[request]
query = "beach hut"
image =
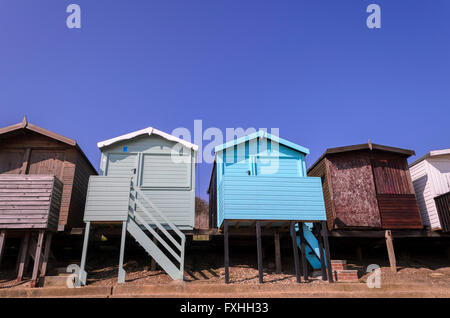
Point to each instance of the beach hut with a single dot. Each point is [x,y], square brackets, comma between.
[367,186]
[431,178]
[147,184]
[259,184]
[43,184]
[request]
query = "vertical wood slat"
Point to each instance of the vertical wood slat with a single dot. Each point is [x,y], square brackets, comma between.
[259,247]
[277,252]
[443,210]
[327,250]
[226,252]
[2,243]
[23,256]
[37,258]
[295,251]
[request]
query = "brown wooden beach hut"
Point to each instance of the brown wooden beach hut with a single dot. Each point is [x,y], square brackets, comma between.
[43,183]
[367,186]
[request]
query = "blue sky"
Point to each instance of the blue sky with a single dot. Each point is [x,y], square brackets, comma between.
[310,68]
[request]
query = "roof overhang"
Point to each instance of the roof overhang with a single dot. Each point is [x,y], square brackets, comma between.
[147,131]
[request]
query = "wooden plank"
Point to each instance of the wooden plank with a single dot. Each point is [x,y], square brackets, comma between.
[23,256]
[327,250]
[390,250]
[277,252]
[295,250]
[259,248]
[226,252]
[303,252]
[37,258]
[2,243]
[48,242]
[321,253]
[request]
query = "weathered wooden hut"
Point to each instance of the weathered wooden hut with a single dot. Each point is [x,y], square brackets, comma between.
[259,182]
[146,183]
[431,178]
[367,186]
[43,184]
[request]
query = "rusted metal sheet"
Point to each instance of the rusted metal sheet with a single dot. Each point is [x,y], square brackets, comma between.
[443,208]
[354,195]
[399,211]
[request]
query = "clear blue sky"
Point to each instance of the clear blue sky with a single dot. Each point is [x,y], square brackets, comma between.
[311,68]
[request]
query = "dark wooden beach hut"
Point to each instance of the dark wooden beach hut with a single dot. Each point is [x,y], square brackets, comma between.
[43,183]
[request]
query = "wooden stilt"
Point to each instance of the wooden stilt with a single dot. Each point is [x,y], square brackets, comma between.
[259,247]
[122,273]
[327,250]
[2,243]
[23,256]
[295,250]
[83,275]
[226,252]
[153,263]
[48,242]
[37,258]
[391,252]
[321,253]
[277,252]
[303,251]
[359,252]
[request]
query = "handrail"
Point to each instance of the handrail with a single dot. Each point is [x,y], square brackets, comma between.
[170,223]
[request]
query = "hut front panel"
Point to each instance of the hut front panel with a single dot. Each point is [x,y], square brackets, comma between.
[354,195]
[11,161]
[439,171]
[399,211]
[169,182]
[271,198]
[29,202]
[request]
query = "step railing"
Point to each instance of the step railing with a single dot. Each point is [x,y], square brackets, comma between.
[180,246]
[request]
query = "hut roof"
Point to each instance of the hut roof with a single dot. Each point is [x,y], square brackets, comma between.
[432,153]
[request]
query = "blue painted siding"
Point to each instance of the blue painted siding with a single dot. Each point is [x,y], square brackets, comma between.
[260,179]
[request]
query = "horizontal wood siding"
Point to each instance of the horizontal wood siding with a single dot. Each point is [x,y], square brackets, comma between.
[443,207]
[272,198]
[399,211]
[424,195]
[29,202]
[107,199]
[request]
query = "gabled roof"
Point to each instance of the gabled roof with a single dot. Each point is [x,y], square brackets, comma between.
[368,146]
[262,134]
[25,125]
[146,131]
[432,153]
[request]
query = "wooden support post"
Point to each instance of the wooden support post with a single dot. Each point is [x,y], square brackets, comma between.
[153,263]
[122,273]
[83,275]
[23,256]
[2,243]
[226,252]
[295,250]
[390,249]
[37,258]
[303,251]
[277,253]
[321,253]
[259,247]
[48,242]
[359,253]
[327,250]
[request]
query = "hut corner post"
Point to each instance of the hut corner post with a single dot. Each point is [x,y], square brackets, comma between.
[83,274]
[327,250]
[226,252]
[295,250]
[122,273]
[390,250]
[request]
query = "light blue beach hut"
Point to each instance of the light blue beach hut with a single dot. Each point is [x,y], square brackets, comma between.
[259,182]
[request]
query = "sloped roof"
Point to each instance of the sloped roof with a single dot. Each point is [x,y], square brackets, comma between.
[432,153]
[146,131]
[367,146]
[262,134]
[25,125]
